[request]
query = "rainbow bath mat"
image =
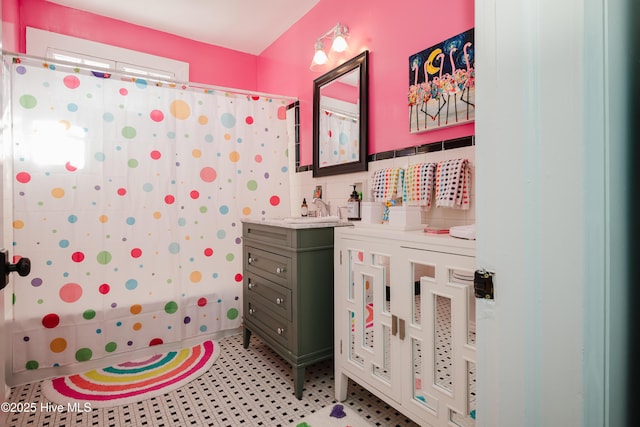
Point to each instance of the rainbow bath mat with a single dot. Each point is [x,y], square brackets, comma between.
[133,381]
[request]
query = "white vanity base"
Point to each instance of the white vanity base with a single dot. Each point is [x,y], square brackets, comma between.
[404,323]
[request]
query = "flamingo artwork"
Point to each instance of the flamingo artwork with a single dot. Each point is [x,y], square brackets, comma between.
[442,84]
[438,89]
[466,79]
[425,92]
[413,102]
[425,96]
[450,86]
[414,90]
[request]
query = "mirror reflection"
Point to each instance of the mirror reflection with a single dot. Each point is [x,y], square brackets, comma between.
[339,129]
[340,119]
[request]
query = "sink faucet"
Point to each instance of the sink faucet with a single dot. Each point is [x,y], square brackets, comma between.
[324,208]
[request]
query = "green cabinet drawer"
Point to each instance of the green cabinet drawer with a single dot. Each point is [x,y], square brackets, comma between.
[272,266]
[276,236]
[259,317]
[276,297]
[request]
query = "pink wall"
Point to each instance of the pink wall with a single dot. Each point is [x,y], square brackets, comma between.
[391,31]
[342,91]
[209,64]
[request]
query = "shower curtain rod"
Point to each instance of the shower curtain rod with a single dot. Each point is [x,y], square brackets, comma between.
[342,113]
[134,75]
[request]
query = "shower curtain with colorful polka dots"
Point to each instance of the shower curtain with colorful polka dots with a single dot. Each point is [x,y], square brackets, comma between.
[128,196]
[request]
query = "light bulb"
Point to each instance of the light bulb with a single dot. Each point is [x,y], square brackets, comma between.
[339,44]
[320,57]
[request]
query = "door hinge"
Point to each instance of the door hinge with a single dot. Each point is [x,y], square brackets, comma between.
[483,284]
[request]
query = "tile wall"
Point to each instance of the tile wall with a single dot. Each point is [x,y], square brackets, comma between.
[336,189]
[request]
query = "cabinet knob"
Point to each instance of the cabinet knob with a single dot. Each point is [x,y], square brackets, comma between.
[280,331]
[279,301]
[251,285]
[252,310]
[251,260]
[280,270]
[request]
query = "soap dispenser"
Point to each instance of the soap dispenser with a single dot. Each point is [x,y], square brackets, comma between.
[304,209]
[353,206]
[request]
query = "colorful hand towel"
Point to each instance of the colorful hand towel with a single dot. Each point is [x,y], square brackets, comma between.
[385,184]
[453,182]
[418,184]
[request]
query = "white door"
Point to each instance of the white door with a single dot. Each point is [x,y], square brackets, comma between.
[530,220]
[4,390]
[4,393]
[552,83]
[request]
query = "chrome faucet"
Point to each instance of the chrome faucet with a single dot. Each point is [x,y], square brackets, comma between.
[324,208]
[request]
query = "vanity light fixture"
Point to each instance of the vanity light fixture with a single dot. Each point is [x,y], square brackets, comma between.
[340,32]
[320,57]
[338,35]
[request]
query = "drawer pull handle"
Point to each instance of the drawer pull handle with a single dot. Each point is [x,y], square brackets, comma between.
[280,270]
[394,325]
[251,260]
[281,331]
[279,301]
[252,311]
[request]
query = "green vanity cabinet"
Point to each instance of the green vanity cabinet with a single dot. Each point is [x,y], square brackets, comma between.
[288,292]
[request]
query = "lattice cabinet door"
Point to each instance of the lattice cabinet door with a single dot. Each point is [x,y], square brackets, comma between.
[437,289]
[366,326]
[405,322]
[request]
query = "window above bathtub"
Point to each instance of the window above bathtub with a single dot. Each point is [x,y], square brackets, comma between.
[59,47]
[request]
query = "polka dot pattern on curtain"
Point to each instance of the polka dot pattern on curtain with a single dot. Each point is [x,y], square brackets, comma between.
[128,197]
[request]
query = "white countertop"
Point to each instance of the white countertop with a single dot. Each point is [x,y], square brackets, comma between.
[298,223]
[386,231]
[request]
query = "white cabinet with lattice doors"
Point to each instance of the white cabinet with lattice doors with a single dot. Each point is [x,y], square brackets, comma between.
[405,321]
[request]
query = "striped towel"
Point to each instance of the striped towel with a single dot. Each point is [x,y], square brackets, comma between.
[385,184]
[418,184]
[453,181]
